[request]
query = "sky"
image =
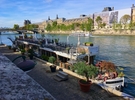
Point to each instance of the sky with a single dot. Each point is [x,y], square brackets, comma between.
[16,11]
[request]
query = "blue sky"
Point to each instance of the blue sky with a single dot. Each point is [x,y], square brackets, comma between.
[16,11]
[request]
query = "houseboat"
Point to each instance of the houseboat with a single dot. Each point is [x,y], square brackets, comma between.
[65,53]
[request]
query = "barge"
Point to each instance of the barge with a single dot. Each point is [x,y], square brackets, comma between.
[65,53]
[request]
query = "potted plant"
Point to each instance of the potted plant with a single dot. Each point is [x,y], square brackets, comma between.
[56,41]
[30,53]
[88,44]
[22,51]
[87,71]
[45,57]
[67,49]
[9,47]
[52,60]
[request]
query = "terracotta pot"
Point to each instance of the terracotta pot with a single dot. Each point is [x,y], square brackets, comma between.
[85,86]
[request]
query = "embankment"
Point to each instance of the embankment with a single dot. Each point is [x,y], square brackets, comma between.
[101,32]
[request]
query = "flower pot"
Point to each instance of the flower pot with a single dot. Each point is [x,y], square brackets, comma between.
[31,57]
[85,86]
[53,68]
[14,49]
[9,47]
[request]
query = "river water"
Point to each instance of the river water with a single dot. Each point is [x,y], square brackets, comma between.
[117,49]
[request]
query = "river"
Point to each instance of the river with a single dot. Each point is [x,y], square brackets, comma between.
[117,49]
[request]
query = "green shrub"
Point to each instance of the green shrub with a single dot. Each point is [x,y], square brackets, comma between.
[52,59]
[45,57]
[85,70]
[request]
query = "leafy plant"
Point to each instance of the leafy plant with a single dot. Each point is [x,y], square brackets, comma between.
[56,40]
[30,51]
[89,43]
[52,59]
[120,72]
[44,57]
[22,50]
[85,70]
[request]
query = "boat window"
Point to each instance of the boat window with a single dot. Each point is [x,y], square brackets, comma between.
[110,82]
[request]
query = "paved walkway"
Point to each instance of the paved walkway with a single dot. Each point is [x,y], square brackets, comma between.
[17,85]
[66,90]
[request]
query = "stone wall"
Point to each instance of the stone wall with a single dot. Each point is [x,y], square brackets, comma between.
[100,32]
[114,32]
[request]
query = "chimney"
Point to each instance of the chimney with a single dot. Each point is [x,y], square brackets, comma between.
[48,17]
[132,5]
[57,17]
[112,8]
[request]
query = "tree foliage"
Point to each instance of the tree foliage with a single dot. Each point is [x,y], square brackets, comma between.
[16,26]
[125,19]
[87,26]
[30,26]
[99,21]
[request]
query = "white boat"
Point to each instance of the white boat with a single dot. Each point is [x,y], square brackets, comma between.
[84,34]
[110,79]
[115,83]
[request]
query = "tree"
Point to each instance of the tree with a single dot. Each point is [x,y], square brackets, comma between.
[131,25]
[125,19]
[16,26]
[90,25]
[103,25]
[82,27]
[99,21]
[48,28]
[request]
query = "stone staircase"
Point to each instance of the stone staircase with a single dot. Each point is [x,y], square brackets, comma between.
[61,76]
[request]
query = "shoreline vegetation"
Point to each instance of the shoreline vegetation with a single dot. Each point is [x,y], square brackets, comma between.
[98,32]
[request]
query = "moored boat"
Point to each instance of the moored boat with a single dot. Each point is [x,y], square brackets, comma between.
[110,75]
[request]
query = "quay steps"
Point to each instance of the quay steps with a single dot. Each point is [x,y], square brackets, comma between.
[61,76]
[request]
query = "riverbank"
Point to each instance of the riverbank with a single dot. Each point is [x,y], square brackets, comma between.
[65,90]
[100,32]
[113,32]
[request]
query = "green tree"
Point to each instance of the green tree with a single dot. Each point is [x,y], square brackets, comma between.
[131,25]
[99,21]
[118,26]
[82,27]
[114,25]
[16,26]
[125,19]
[54,24]
[73,26]
[103,25]
[48,28]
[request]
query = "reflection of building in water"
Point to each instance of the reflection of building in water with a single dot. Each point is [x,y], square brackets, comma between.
[113,17]
[108,15]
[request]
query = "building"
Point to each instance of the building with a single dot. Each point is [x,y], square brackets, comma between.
[108,15]
[133,13]
[26,22]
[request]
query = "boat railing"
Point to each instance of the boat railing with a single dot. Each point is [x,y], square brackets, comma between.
[60,46]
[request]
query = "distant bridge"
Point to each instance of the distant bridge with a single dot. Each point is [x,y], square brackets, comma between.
[19,31]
